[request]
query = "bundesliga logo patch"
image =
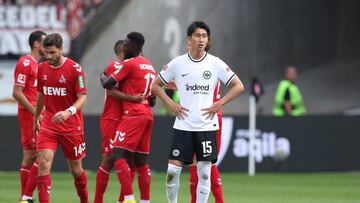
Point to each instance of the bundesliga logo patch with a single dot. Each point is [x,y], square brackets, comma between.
[81,82]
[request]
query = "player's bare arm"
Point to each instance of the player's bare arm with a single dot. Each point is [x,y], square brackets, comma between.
[107,82]
[38,109]
[64,115]
[21,99]
[179,110]
[236,87]
[122,96]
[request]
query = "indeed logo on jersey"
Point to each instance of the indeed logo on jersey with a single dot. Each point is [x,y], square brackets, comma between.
[54,91]
[198,89]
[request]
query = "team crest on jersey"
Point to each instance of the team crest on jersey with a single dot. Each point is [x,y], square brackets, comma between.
[26,62]
[62,79]
[44,77]
[207,74]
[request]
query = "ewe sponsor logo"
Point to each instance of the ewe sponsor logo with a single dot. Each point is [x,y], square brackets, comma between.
[54,91]
[267,144]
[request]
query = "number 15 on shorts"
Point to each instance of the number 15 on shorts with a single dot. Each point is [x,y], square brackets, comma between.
[207,148]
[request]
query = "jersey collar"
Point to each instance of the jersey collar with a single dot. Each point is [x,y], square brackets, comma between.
[199,60]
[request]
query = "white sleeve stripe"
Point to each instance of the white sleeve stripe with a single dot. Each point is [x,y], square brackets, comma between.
[228,82]
[163,80]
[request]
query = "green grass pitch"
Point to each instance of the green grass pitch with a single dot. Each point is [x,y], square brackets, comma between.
[238,188]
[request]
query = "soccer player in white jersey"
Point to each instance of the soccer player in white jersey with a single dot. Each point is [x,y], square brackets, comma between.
[196,75]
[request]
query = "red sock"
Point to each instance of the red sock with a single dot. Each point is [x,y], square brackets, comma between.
[193,183]
[32,180]
[81,187]
[44,187]
[102,179]
[216,187]
[124,176]
[24,175]
[144,180]
[132,173]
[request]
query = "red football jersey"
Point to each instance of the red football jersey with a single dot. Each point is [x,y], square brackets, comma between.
[26,75]
[60,87]
[136,77]
[112,107]
[217,96]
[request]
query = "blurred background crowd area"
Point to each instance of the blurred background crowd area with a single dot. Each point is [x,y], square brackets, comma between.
[256,38]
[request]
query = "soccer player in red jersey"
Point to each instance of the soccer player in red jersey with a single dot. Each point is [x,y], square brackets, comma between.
[216,185]
[24,92]
[134,130]
[62,91]
[109,120]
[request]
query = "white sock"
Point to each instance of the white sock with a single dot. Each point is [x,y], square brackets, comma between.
[144,201]
[172,182]
[129,197]
[204,184]
[25,197]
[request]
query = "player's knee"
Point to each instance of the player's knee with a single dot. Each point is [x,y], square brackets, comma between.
[76,171]
[28,158]
[44,164]
[173,172]
[108,162]
[204,170]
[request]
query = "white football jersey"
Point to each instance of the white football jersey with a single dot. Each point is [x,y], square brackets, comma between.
[196,81]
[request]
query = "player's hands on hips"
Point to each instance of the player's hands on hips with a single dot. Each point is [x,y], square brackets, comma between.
[171,85]
[61,116]
[179,110]
[212,110]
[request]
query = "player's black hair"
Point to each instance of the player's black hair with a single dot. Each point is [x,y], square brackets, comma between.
[195,25]
[35,37]
[53,39]
[137,39]
[117,46]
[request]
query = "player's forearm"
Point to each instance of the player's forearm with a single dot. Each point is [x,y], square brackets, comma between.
[22,100]
[237,87]
[80,102]
[117,94]
[159,92]
[39,105]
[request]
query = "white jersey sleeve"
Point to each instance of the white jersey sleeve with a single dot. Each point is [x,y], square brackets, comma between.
[168,72]
[225,73]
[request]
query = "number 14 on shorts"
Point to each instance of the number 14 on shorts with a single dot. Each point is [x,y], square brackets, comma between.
[78,150]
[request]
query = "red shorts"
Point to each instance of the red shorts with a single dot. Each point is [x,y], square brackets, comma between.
[73,146]
[107,130]
[134,134]
[28,136]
